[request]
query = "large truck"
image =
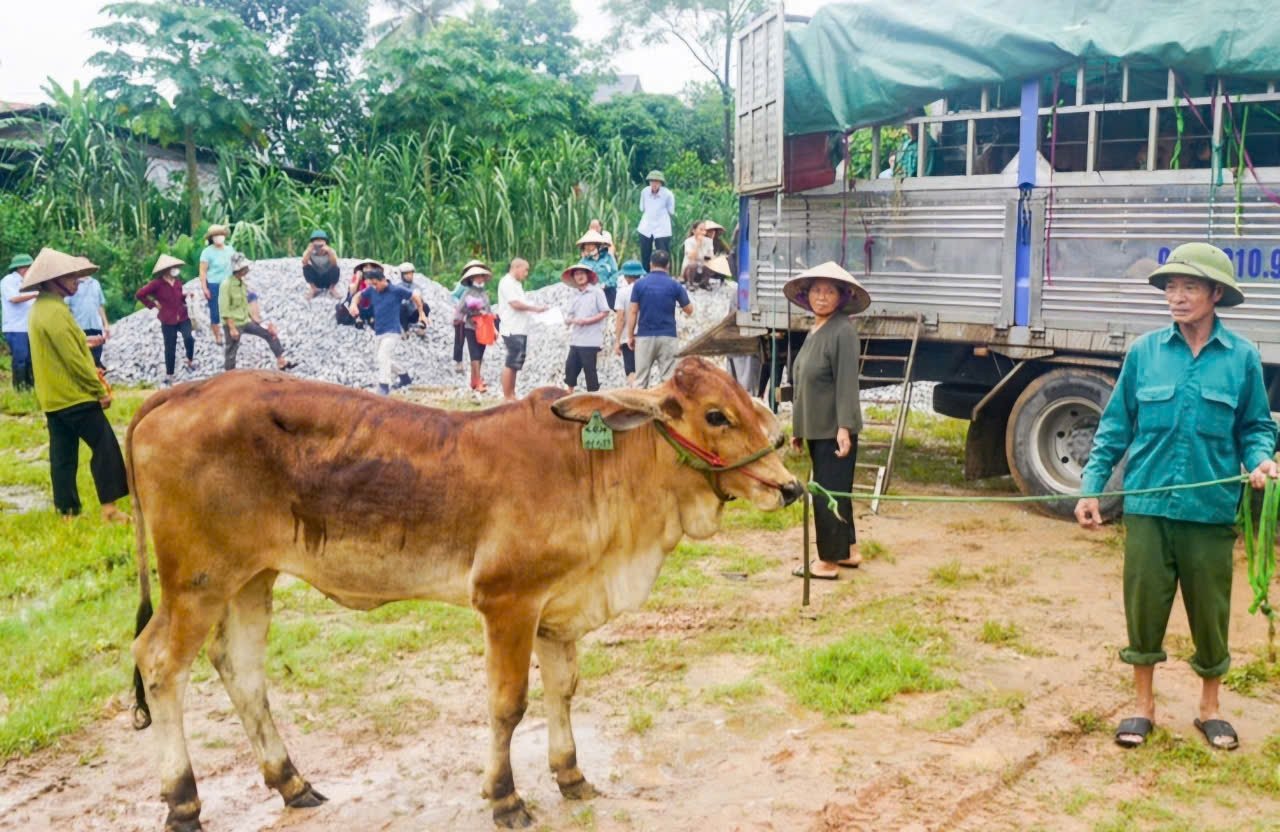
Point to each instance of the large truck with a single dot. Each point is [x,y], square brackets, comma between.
[1045,160]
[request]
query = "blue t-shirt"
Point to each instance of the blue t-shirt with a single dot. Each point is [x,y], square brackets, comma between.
[658,294]
[386,308]
[219,260]
[86,304]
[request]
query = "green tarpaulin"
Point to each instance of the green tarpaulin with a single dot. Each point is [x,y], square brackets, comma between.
[861,63]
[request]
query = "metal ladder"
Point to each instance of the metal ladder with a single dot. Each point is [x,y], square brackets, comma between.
[875,459]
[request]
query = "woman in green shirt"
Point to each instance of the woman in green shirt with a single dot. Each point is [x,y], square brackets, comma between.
[70,390]
[827,412]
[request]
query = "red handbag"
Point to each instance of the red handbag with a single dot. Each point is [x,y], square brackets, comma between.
[486,331]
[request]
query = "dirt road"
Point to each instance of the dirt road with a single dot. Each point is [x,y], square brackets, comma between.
[686,719]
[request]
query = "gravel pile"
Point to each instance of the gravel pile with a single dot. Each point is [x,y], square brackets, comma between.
[344,355]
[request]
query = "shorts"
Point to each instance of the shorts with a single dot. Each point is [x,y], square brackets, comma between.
[516,347]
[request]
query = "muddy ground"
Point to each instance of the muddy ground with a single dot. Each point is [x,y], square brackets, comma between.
[683,732]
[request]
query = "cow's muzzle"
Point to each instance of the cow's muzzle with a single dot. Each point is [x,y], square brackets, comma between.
[791,492]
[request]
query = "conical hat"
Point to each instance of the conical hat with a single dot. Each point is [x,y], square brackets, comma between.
[593,237]
[471,264]
[712,225]
[51,265]
[476,271]
[567,274]
[720,265]
[856,298]
[166,261]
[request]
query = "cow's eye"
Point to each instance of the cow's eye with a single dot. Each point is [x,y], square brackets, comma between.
[717,419]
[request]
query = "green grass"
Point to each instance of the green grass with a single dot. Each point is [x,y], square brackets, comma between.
[742,515]
[1253,678]
[865,670]
[1089,722]
[961,709]
[874,550]
[734,693]
[1008,635]
[952,573]
[1182,766]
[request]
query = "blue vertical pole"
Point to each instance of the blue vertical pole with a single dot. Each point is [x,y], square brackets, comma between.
[1028,128]
[743,248]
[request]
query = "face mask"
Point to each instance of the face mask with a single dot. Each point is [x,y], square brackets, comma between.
[219,239]
[175,272]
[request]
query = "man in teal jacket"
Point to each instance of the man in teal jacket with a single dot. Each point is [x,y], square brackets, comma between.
[1189,406]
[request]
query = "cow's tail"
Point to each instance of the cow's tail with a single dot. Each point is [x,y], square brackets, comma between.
[141,712]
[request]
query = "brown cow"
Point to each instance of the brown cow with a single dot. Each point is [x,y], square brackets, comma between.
[371,500]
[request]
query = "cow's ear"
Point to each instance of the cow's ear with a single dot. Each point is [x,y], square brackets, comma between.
[621,409]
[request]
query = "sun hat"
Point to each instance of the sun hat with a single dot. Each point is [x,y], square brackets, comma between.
[18,261]
[406,267]
[359,266]
[51,265]
[608,238]
[239,263]
[593,237]
[656,174]
[720,265]
[166,262]
[479,270]
[567,274]
[471,264]
[319,235]
[854,297]
[215,230]
[633,268]
[712,225]
[1204,261]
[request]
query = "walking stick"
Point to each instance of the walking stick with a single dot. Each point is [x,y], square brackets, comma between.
[804,602]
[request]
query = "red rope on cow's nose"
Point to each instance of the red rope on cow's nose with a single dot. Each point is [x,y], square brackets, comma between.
[711,457]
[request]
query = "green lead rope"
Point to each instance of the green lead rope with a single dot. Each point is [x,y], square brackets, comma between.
[1259,546]
[1259,541]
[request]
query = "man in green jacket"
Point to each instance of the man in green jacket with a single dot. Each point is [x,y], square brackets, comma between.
[237,306]
[1189,406]
[70,392]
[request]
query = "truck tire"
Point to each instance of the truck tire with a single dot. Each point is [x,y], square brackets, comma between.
[1050,434]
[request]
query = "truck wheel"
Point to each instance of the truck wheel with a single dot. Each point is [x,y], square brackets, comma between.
[1050,435]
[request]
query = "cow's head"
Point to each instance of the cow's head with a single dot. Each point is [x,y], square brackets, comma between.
[704,407]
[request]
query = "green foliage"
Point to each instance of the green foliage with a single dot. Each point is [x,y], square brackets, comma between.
[865,670]
[168,45]
[860,150]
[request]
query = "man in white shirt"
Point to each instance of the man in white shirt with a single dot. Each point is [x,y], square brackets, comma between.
[657,209]
[514,311]
[15,305]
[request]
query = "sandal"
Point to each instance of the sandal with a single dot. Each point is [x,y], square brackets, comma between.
[1216,729]
[798,572]
[1134,726]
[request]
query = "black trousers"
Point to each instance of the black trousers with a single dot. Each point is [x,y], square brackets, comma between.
[322,280]
[231,345]
[628,360]
[647,246]
[457,343]
[582,359]
[96,352]
[610,294]
[475,349]
[835,532]
[66,428]
[170,333]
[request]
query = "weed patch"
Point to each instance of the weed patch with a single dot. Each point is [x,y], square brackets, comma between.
[865,670]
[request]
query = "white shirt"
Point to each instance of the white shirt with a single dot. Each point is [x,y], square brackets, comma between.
[14,314]
[514,321]
[695,254]
[623,297]
[656,211]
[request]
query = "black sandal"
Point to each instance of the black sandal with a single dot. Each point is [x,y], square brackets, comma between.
[1215,729]
[798,572]
[1134,726]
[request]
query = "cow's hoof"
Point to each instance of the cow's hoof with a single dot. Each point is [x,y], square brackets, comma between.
[308,799]
[516,817]
[578,790]
[141,718]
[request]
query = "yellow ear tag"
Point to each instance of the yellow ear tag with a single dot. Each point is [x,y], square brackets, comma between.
[596,435]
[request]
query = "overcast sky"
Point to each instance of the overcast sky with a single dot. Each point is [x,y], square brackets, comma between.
[51,38]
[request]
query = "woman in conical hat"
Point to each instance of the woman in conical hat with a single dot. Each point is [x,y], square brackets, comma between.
[827,412]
